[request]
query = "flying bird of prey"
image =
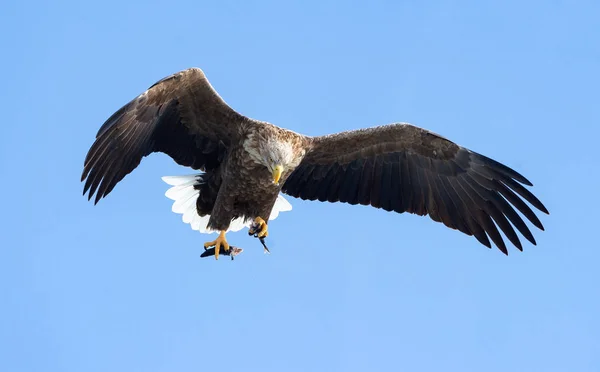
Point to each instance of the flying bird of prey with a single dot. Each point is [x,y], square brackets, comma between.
[245,164]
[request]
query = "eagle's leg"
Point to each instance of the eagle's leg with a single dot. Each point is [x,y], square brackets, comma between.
[259,228]
[220,242]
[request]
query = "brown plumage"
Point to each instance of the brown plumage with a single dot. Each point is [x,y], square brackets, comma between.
[396,167]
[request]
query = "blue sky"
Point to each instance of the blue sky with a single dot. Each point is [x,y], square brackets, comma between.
[121,287]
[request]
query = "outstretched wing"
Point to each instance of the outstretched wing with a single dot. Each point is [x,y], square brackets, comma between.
[181,115]
[404,168]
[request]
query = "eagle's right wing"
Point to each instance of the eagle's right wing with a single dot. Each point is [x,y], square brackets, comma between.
[180,115]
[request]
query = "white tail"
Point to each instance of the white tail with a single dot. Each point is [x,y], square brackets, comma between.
[185,195]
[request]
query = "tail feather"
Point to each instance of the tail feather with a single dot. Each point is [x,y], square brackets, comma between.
[281,205]
[177,192]
[184,195]
[187,201]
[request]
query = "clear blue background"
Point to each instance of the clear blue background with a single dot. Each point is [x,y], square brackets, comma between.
[120,286]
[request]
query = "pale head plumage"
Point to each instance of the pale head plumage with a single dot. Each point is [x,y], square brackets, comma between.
[277,152]
[272,152]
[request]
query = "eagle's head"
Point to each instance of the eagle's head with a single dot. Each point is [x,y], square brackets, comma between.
[278,155]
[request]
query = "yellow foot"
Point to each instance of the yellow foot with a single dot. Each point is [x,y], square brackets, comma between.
[220,242]
[259,228]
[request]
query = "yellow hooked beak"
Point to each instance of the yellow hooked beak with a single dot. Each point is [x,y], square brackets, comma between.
[277,174]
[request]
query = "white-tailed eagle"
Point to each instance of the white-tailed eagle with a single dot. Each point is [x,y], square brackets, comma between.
[246,163]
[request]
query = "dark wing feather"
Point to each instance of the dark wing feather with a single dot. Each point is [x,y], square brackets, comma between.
[181,115]
[404,168]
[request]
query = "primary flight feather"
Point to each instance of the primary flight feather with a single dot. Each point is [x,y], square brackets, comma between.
[246,164]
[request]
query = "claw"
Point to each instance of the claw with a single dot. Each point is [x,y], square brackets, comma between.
[233,251]
[221,241]
[259,228]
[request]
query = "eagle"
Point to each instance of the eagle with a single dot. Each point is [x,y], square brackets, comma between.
[245,165]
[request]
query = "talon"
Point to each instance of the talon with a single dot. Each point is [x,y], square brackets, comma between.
[221,241]
[259,228]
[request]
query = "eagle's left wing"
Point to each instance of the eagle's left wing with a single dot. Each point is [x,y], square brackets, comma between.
[404,168]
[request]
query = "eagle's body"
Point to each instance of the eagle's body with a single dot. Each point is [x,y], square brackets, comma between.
[246,187]
[247,163]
